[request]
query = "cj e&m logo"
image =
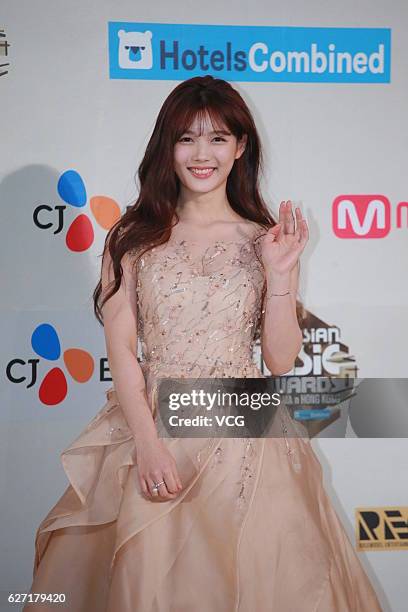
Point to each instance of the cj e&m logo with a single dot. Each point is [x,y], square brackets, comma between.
[249,53]
[80,234]
[366,216]
[53,389]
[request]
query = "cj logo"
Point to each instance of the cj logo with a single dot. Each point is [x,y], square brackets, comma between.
[80,234]
[365,216]
[135,50]
[54,387]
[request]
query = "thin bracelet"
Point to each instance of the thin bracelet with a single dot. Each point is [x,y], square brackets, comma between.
[268,295]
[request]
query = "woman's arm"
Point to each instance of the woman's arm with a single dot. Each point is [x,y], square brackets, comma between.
[120,326]
[281,336]
[155,463]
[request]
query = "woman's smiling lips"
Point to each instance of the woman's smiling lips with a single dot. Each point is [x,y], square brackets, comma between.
[201,173]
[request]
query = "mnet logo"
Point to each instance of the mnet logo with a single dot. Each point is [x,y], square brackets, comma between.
[364,216]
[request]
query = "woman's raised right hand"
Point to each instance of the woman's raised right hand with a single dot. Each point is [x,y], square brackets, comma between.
[155,464]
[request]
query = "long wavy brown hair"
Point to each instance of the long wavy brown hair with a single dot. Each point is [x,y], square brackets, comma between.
[148,222]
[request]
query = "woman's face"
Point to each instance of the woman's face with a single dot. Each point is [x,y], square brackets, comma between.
[203,163]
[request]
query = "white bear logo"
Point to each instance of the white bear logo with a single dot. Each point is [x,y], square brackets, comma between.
[135,49]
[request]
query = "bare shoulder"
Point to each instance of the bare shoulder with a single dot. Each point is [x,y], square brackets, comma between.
[254,230]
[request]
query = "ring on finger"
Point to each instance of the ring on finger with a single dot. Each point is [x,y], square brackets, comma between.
[156,485]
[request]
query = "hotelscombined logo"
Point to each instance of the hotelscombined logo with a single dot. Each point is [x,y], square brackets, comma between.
[249,53]
[80,234]
[54,386]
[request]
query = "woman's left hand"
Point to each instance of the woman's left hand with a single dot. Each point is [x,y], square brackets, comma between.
[283,243]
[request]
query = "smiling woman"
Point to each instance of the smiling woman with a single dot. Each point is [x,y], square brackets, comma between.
[207,154]
[197,270]
[202,172]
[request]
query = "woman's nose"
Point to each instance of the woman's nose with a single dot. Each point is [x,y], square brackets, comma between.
[201,151]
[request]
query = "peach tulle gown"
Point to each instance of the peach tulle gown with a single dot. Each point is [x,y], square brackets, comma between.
[253,530]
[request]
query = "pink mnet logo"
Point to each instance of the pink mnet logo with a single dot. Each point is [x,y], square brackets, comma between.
[361,216]
[366,216]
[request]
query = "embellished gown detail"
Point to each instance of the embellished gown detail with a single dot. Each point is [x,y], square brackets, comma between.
[253,529]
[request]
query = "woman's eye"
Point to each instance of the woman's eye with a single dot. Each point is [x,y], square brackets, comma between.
[183,138]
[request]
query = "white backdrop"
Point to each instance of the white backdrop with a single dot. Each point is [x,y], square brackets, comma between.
[61,111]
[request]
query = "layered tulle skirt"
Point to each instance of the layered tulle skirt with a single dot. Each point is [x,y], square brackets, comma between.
[253,530]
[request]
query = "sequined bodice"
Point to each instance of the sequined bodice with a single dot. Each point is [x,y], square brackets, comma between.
[199,305]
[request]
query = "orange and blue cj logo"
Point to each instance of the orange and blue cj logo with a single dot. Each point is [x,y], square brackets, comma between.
[53,389]
[78,362]
[80,234]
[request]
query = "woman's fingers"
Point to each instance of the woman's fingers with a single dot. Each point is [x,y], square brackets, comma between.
[290,219]
[167,489]
[281,219]
[301,225]
[170,481]
[143,486]
[152,490]
[164,492]
[304,231]
[286,217]
[158,475]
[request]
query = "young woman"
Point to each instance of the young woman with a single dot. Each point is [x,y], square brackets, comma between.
[197,270]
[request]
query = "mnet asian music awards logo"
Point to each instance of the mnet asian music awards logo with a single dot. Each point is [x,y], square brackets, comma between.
[80,233]
[366,216]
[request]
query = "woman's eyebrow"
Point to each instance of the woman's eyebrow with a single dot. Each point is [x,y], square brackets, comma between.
[224,132]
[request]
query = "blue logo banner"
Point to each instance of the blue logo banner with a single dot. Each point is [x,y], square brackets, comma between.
[164,51]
